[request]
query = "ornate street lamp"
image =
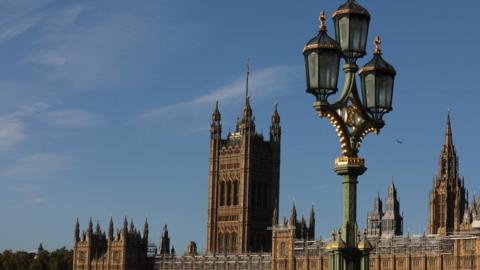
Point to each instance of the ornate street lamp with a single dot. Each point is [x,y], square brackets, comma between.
[322,61]
[377,84]
[352,117]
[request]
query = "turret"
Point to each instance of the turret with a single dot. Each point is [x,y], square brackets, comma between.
[98,229]
[303,228]
[293,216]
[216,126]
[247,123]
[110,230]
[311,226]
[165,241]
[275,129]
[77,232]
[145,230]
[275,216]
[132,227]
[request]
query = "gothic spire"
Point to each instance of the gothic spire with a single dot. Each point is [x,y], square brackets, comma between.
[275,129]
[293,216]
[392,190]
[216,117]
[311,225]
[448,131]
[312,216]
[125,224]
[216,126]
[275,115]
[145,230]
[247,109]
[77,231]
[98,230]
[110,229]
[90,225]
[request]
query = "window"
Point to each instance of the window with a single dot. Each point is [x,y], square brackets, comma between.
[116,257]
[235,193]
[81,256]
[229,193]
[468,245]
[468,262]
[222,193]
[234,242]
[283,249]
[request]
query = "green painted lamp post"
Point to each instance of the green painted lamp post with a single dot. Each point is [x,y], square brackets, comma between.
[353,118]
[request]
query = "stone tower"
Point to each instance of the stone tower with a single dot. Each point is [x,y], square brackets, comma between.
[165,242]
[447,198]
[243,187]
[392,221]
[374,219]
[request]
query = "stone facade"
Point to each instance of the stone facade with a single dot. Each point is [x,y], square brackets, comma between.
[390,223]
[448,196]
[125,250]
[243,185]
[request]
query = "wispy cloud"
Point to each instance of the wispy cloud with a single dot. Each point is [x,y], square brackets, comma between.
[18,25]
[38,200]
[72,118]
[39,166]
[13,127]
[12,131]
[268,81]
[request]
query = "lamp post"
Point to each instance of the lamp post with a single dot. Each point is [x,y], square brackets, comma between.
[351,116]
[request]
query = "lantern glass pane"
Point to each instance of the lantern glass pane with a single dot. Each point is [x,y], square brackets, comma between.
[313,70]
[384,88]
[363,34]
[344,29]
[328,67]
[370,91]
[355,34]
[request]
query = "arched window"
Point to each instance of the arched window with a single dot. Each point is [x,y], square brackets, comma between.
[222,193]
[234,243]
[235,193]
[220,242]
[283,249]
[227,242]
[229,193]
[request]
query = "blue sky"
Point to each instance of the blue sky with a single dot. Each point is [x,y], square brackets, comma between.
[105,108]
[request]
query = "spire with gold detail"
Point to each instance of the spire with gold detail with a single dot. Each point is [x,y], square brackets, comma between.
[247,121]
[275,129]
[448,157]
[447,199]
[216,126]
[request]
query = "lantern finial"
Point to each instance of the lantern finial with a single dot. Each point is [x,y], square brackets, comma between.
[378,42]
[322,19]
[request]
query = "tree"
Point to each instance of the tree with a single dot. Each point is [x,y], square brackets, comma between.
[61,259]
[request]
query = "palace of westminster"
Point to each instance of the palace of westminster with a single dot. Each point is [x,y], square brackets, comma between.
[244,230]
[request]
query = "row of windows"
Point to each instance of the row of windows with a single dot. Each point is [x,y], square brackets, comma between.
[227,218]
[227,243]
[230,166]
[228,193]
[260,195]
[467,262]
